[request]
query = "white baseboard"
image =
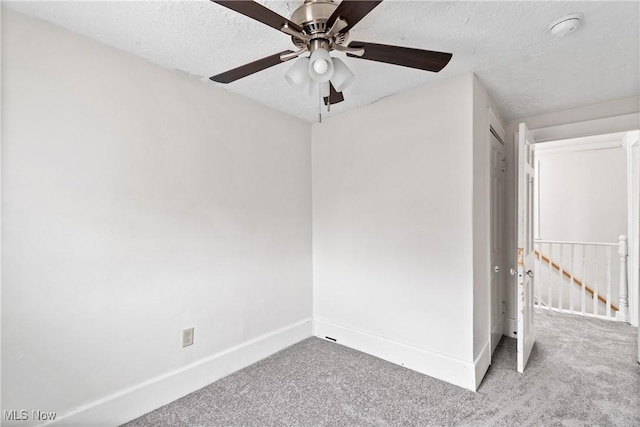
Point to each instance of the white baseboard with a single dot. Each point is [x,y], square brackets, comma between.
[446,368]
[482,362]
[510,327]
[128,404]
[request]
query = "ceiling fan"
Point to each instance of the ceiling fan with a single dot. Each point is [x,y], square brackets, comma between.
[318,27]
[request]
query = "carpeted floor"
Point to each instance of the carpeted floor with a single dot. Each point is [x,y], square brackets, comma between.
[582,372]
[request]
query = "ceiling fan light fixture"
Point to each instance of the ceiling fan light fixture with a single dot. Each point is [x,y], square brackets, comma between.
[342,75]
[320,65]
[298,74]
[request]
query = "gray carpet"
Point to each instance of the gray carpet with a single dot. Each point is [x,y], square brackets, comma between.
[582,372]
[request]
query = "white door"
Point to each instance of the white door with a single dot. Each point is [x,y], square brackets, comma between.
[497,226]
[526,327]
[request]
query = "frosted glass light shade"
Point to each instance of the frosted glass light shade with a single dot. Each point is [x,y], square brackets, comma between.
[342,75]
[320,65]
[298,74]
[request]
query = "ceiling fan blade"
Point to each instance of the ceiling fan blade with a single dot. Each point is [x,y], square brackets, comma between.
[405,56]
[352,11]
[334,96]
[248,69]
[259,13]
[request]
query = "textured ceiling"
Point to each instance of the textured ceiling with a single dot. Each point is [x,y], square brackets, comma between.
[507,44]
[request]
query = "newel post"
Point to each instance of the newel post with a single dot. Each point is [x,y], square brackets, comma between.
[623,313]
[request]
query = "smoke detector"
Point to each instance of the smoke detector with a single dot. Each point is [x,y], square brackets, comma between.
[565,25]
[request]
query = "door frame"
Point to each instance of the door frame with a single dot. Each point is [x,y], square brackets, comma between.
[631,142]
[621,123]
[497,130]
[584,130]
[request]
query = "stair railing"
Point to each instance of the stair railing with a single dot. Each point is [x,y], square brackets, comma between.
[582,278]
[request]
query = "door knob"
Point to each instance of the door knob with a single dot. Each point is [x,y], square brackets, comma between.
[496,268]
[513,271]
[529,273]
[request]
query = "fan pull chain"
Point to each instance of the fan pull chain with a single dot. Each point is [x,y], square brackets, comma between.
[319,102]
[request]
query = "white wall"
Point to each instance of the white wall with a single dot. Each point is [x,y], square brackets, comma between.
[584,114]
[393,229]
[597,119]
[137,202]
[582,195]
[1,198]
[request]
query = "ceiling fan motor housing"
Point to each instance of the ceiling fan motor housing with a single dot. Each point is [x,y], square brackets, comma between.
[312,16]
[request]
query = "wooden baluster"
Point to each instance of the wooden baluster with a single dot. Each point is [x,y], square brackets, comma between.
[571,285]
[608,270]
[583,270]
[561,278]
[536,268]
[540,266]
[595,280]
[549,274]
[551,277]
[623,312]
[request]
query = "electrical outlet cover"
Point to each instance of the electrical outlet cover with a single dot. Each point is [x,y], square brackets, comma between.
[187,337]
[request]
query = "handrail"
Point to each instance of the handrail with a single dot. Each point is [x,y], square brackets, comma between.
[569,276]
[575,243]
